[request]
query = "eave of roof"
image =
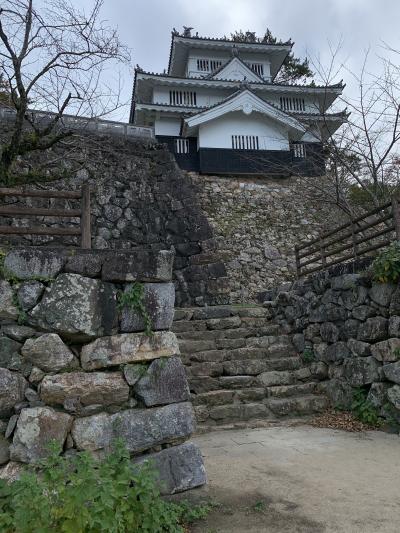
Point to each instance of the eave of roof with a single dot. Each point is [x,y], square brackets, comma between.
[261,83]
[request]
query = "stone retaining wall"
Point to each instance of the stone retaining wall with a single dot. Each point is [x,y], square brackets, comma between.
[351,325]
[232,236]
[256,223]
[77,368]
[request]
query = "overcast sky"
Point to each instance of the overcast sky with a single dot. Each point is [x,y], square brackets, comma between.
[145,26]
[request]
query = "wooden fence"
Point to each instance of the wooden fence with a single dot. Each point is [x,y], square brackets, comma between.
[83,213]
[360,236]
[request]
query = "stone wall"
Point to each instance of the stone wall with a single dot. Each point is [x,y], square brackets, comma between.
[257,222]
[231,236]
[77,368]
[351,325]
[140,198]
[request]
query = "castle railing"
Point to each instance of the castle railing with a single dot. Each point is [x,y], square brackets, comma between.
[84,124]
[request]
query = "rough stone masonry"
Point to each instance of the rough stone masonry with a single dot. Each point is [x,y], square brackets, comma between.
[350,325]
[232,236]
[78,369]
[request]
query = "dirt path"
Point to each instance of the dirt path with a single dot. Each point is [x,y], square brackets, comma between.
[301,479]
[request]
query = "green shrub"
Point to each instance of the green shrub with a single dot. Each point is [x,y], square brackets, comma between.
[81,495]
[363,409]
[386,266]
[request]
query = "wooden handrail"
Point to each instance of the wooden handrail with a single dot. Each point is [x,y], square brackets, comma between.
[322,255]
[83,213]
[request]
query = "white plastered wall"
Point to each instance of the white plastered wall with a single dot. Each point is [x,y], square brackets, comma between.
[204,97]
[167,126]
[218,132]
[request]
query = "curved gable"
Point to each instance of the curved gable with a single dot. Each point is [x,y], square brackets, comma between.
[246,102]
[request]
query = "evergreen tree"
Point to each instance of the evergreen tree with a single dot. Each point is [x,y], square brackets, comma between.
[293,69]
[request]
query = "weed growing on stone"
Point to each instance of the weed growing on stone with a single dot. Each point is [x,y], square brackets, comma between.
[133,299]
[81,495]
[396,353]
[308,356]
[22,317]
[363,409]
[259,507]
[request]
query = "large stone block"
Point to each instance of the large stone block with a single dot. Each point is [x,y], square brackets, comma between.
[164,382]
[339,393]
[4,450]
[77,308]
[28,264]
[49,353]
[394,307]
[179,468]
[345,282]
[386,351]
[158,299]
[268,379]
[8,310]
[373,330]
[392,372]
[103,388]
[394,326]
[377,395]
[393,395]
[139,265]
[12,391]
[18,333]
[36,428]
[329,332]
[9,350]
[361,370]
[140,429]
[128,348]
[359,348]
[381,293]
[335,352]
[29,294]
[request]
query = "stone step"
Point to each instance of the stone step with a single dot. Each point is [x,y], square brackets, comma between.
[286,391]
[210,409]
[218,324]
[284,371]
[220,311]
[222,397]
[297,405]
[229,333]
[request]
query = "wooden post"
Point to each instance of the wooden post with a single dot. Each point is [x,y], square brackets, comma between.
[296,253]
[86,236]
[396,215]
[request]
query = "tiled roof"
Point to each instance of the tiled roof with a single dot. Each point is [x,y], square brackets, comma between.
[220,40]
[339,85]
[225,40]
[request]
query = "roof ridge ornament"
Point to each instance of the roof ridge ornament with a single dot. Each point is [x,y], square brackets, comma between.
[187,31]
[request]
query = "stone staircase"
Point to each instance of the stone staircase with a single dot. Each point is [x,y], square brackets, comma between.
[242,367]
